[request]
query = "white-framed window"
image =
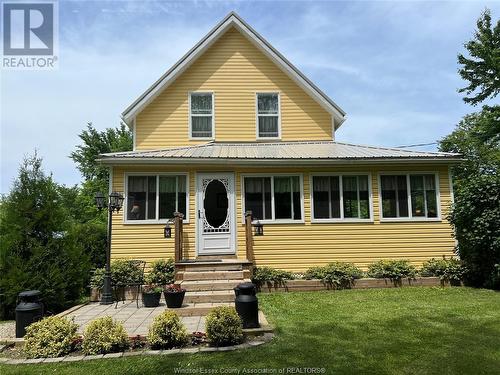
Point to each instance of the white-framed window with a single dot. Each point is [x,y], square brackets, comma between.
[201,115]
[409,196]
[341,197]
[273,198]
[268,115]
[155,197]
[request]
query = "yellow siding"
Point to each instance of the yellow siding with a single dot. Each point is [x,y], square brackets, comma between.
[296,247]
[235,70]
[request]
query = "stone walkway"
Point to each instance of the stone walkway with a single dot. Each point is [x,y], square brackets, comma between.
[135,320]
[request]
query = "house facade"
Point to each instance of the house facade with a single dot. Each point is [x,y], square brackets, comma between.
[235,127]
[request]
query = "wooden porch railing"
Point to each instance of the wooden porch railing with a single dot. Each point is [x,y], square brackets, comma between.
[249,235]
[179,235]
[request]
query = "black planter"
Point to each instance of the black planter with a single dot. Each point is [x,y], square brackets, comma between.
[174,299]
[151,299]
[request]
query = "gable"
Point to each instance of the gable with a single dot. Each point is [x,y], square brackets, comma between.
[234,70]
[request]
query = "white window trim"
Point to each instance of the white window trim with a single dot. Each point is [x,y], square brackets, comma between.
[257,115]
[272,175]
[157,174]
[408,187]
[342,219]
[190,116]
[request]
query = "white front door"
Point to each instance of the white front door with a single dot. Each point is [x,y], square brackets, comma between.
[216,219]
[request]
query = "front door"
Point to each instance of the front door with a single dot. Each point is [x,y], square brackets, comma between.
[216,221]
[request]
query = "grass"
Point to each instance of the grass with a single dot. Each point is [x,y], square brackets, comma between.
[379,331]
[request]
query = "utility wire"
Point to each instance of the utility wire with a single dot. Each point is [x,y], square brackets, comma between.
[418,145]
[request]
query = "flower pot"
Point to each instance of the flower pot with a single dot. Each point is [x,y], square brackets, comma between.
[151,299]
[174,299]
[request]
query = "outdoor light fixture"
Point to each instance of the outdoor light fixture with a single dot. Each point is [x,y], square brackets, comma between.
[167,231]
[259,228]
[114,203]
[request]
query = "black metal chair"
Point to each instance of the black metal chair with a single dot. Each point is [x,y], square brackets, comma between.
[141,266]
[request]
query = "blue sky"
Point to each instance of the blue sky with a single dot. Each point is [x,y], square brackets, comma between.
[390,65]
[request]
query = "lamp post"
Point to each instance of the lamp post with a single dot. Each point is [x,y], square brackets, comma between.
[114,203]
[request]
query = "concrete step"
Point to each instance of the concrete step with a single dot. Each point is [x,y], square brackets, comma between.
[214,266]
[209,296]
[213,275]
[198,309]
[202,285]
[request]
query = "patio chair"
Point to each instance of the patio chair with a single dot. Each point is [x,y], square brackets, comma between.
[141,265]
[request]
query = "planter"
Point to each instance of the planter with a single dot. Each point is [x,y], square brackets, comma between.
[151,299]
[174,299]
[128,293]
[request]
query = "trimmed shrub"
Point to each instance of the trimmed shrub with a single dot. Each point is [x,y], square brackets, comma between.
[162,272]
[338,275]
[223,326]
[392,269]
[123,271]
[49,337]
[263,275]
[167,331]
[451,270]
[104,335]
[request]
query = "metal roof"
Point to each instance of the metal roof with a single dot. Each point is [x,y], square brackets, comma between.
[296,152]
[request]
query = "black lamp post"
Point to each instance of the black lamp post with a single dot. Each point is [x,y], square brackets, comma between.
[114,203]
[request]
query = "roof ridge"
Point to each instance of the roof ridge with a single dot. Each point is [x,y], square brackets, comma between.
[396,149]
[176,148]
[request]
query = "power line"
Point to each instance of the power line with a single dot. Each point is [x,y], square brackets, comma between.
[418,145]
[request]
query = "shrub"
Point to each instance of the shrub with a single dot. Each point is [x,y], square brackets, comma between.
[449,270]
[223,326]
[339,275]
[167,331]
[50,337]
[104,335]
[392,269]
[263,275]
[162,272]
[123,271]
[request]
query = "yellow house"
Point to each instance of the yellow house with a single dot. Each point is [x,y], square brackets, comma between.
[233,127]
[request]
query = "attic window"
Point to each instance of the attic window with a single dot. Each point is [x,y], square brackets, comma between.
[201,115]
[268,112]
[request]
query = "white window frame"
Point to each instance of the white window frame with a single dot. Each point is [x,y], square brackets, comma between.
[342,219]
[408,187]
[257,136]
[158,175]
[273,220]
[190,93]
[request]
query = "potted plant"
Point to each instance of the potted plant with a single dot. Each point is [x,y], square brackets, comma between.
[174,296]
[151,295]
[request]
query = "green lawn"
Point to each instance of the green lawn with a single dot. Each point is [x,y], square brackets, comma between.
[385,331]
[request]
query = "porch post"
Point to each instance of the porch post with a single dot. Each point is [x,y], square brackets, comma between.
[178,217]
[249,235]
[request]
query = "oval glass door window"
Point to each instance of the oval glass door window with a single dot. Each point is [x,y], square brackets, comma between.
[215,203]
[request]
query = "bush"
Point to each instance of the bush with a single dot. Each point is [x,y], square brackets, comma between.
[450,270]
[339,275]
[263,275]
[392,269]
[103,335]
[167,331]
[50,337]
[223,326]
[162,272]
[123,271]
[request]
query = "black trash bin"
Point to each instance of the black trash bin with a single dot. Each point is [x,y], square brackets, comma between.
[29,309]
[247,305]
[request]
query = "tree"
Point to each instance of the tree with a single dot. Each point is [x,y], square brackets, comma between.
[482,68]
[35,251]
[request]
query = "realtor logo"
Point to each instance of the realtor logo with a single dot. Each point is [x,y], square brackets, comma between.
[29,35]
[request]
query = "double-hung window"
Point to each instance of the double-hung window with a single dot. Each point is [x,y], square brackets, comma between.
[409,196]
[155,197]
[341,197]
[273,197]
[268,115]
[201,114]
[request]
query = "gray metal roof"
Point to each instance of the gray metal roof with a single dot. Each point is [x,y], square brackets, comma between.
[295,152]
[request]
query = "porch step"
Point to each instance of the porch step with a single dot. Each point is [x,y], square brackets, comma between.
[198,309]
[213,265]
[209,296]
[209,285]
[214,275]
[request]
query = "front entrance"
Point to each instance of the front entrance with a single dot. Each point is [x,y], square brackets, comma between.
[216,216]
